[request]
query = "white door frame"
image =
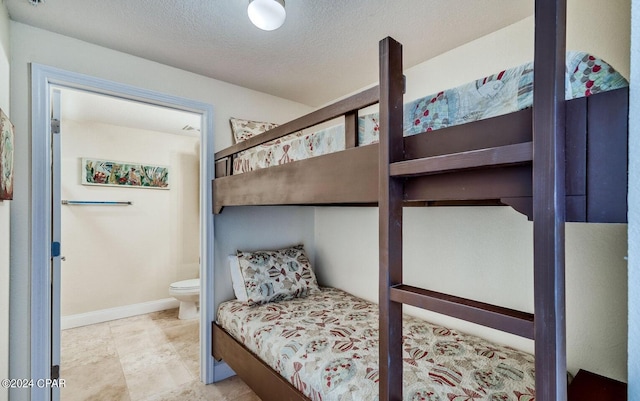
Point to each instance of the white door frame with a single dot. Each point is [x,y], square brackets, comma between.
[42,79]
[56,233]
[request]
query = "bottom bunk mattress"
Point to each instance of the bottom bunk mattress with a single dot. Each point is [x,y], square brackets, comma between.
[326,345]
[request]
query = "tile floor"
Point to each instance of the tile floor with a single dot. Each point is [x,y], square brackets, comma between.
[153,357]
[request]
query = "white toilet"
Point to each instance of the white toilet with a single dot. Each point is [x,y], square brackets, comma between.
[188,293]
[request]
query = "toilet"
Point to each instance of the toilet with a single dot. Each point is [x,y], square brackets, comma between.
[188,293]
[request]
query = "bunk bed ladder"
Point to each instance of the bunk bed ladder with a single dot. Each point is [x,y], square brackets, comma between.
[546,152]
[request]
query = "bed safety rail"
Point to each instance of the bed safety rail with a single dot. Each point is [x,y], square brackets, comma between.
[347,107]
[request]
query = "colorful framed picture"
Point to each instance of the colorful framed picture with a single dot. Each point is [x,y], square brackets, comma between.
[6,157]
[124,174]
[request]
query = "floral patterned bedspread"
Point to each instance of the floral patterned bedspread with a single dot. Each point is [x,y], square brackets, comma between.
[502,93]
[290,148]
[326,345]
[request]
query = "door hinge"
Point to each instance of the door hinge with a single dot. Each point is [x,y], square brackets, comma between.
[55,126]
[55,372]
[55,249]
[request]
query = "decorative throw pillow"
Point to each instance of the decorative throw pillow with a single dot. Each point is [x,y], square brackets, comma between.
[278,275]
[245,129]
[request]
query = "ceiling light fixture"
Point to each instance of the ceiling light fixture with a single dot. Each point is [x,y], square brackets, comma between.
[267,14]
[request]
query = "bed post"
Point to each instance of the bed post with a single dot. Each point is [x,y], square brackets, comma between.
[390,218]
[351,129]
[549,199]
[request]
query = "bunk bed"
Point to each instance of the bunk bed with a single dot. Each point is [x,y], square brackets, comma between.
[558,161]
[595,168]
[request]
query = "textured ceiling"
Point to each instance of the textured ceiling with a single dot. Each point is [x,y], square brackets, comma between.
[324,50]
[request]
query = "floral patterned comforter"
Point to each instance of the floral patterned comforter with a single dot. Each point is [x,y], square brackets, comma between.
[297,146]
[502,93]
[326,345]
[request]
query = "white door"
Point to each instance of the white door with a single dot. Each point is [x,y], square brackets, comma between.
[56,241]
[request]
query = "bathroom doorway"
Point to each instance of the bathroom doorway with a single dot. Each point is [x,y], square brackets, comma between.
[129,176]
[46,207]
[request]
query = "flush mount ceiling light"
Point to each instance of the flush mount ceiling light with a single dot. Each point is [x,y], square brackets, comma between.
[267,14]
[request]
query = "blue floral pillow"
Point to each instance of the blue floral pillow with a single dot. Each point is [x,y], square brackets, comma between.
[271,276]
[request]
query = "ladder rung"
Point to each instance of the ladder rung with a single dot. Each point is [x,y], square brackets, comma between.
[497,317]
[489,157]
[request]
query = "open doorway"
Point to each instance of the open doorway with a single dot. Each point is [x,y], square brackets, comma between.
[45,204]
[129,223]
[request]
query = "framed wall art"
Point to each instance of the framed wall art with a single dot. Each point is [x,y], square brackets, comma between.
[6,157]
[124,174]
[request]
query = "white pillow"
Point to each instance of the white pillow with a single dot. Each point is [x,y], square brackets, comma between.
[237,279]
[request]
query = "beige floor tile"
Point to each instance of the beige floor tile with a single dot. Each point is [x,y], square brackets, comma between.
[193,391]
[233,389]
[193,366]
[185,340]
[247,397]
[147,357]
[169,318]
[157,379]
[102,380]
[81,355]
[87,344]
[85,333]
[153,357]
[133,341]
[184,334]
[131,325]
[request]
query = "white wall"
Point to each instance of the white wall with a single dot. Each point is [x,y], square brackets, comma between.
[123,255]
[30,44]
[486,253]
[35,45]
[4,210]
[634,208]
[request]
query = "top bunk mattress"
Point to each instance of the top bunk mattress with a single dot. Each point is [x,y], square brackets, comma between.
[505,92]
[326,345]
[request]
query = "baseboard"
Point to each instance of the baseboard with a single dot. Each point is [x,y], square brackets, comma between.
[120,312]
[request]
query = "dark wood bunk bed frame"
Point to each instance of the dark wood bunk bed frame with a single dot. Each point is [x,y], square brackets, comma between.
[526,159]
